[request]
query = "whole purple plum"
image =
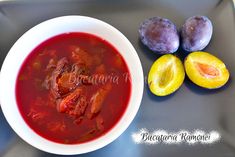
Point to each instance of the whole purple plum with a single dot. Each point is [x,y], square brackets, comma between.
[159,35]
[196,33]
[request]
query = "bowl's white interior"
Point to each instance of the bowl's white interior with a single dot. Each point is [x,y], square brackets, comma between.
[40,33]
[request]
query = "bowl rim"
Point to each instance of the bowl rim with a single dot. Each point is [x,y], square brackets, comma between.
[9,72]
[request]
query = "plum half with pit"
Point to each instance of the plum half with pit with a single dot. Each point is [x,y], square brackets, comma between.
[196,33]
[206,70]
[159,35]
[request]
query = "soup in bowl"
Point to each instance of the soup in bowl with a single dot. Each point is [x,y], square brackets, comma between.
[71,85]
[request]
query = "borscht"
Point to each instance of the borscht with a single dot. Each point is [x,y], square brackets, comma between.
[73,88]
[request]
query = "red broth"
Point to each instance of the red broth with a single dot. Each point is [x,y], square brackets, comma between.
[73,88]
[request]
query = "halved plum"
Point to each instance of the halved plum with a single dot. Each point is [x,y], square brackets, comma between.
[166,75]
[206,70]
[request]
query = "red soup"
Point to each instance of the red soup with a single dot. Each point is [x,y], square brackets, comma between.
[73,88]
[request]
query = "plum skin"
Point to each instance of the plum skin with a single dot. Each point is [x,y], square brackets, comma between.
[196,33]
[159,35]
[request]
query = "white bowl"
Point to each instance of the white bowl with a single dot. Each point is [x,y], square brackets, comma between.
[27,42]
